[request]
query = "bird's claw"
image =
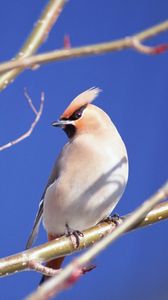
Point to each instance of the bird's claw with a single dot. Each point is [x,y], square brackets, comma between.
[74,235]
[115,219]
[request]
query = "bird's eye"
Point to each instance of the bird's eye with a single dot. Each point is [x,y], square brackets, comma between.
[77,114]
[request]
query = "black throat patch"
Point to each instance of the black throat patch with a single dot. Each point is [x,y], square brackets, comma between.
[70,130]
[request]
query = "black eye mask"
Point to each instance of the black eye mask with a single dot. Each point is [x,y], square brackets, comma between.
[70,129]
[77,114]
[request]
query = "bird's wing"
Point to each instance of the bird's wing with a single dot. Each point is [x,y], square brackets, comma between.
[38,218]
[36,225]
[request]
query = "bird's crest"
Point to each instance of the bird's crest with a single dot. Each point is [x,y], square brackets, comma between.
[82,99]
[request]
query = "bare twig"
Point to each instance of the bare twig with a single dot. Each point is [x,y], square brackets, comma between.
[29,100]
[38,267]
[36,38]
[33,265]
[137,45]
[63,246]
[128,42]
[70,274]
[36,120]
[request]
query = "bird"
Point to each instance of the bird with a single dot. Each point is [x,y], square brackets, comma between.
[89,176]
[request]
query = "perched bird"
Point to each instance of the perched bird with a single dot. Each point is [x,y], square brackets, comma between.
[89,176]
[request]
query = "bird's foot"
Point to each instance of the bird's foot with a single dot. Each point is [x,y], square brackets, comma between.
[74,235]
[115,219]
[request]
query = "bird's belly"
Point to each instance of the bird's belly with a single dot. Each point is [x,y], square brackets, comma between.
[83,202]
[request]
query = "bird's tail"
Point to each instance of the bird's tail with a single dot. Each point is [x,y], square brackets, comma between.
[53,264]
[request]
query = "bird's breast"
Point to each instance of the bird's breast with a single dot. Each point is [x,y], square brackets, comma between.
[90,183]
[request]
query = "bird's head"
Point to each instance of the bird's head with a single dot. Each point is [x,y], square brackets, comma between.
[81,116]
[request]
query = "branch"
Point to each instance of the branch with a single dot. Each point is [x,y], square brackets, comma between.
[36,38]
[63,246]
[36,120]
[71,273]
[136,44]
[128,42]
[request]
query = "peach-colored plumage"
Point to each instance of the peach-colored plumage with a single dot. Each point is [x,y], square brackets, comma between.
[82,99]
[90,174]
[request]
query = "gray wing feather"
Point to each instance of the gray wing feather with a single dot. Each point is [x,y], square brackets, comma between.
[38,218]
[36,226]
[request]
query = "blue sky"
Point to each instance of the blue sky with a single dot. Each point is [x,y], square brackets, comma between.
[135,95]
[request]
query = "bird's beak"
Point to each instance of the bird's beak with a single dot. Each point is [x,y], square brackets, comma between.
[62,123]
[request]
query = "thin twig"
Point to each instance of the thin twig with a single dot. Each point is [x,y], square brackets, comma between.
[137,45]
[63,54]
[30,130]
[70,273]
[63,246]
[36,38]
[33,265]
[29,100]
[38,267]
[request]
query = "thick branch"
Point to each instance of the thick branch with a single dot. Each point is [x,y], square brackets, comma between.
[58,55]
[36,38]
[71,273]
[63,246]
